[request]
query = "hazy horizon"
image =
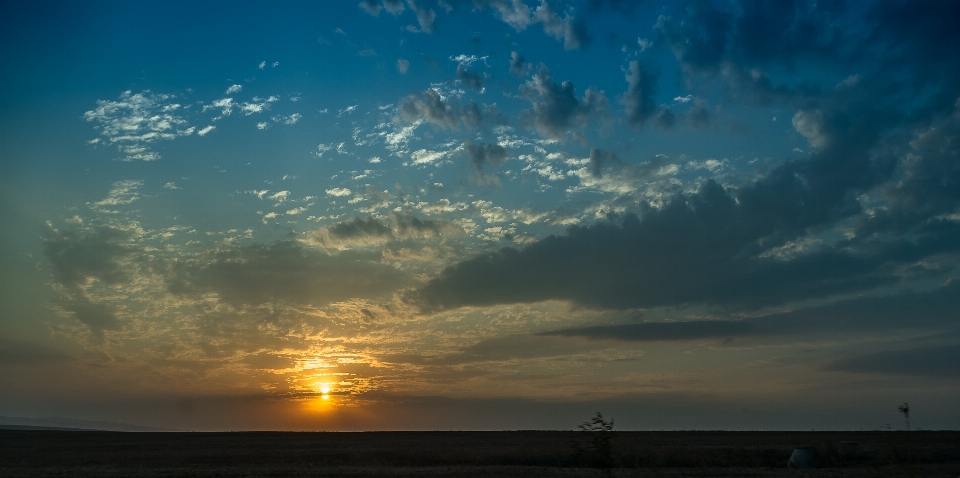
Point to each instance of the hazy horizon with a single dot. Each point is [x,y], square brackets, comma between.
[481,214]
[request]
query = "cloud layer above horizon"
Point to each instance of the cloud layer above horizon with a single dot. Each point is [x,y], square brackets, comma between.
[541,201]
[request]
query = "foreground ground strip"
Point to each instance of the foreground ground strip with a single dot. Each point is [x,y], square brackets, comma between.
[473,454]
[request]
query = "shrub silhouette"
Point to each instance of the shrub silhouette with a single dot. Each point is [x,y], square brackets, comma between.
[595,445]
[905,410]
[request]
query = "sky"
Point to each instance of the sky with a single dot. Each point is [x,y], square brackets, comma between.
[481,214]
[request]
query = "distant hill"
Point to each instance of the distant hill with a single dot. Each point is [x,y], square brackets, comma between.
[61,423]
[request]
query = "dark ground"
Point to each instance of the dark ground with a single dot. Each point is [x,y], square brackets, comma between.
[474,454]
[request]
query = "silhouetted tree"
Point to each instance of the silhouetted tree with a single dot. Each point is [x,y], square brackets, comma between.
[905,410]
[595,448]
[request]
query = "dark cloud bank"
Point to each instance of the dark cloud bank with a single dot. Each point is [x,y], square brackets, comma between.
[891,138]
[930,310]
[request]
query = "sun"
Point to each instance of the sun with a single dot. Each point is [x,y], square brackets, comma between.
[322,401]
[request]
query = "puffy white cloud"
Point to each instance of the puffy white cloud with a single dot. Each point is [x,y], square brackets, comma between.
[279,196]
[338,192]
[322,148]
[809,123]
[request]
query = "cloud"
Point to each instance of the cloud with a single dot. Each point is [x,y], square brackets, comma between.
[284,272]
[395,7]
[938,361]
[482,155]
[470,78]
[81,255]
[446,112]
[665,119]
[357,232]
[572,32]
[123,192]
[518,64]
[233,89]
[756,33]
[703,248]
[425,16]
[371,7]
[323,148]
[662,331]
[338,192]
[499,349]
[556,109]
[98,317]
[601,160]
[639,99]
[426,156]
[279,196]
[403,66]
[931,311]
[226,106]
[136,120]
[429,106]
[203,131]
[809,123]
[258,105]
[699,115]
[930,185]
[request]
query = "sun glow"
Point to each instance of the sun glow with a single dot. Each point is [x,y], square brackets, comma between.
[321,402]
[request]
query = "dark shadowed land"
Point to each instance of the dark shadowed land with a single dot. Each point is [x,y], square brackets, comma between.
[474,454]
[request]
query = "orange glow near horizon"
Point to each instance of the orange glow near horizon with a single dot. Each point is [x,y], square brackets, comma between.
[321,402]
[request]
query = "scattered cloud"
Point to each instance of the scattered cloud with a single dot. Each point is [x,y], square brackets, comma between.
[518,64]
[338,192]
[639,99]
[136,120]
[556,109]
[372,231]
[123,192]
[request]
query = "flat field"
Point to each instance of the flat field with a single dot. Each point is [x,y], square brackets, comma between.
[475,454]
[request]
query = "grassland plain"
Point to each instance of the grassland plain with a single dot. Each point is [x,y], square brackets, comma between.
[473,454]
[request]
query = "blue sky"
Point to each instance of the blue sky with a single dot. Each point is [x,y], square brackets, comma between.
[480,214]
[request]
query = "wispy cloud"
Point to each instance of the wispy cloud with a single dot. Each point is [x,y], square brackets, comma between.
[137,119]
[123,192]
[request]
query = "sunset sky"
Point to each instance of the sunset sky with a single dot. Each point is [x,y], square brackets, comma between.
[481,214]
